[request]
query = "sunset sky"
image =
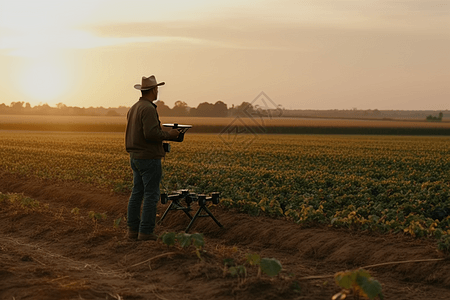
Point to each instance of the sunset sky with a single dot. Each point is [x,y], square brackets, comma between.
[314,54]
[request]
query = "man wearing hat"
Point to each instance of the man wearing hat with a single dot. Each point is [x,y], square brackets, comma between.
[143,140]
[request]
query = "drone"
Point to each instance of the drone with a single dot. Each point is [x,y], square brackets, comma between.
[185,195]
[189,198]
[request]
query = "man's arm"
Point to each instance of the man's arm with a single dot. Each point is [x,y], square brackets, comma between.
[152,127]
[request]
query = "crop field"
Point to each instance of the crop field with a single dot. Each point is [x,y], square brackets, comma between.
[398,184]
[383,185]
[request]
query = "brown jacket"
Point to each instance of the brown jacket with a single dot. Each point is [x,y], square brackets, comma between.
[143,135]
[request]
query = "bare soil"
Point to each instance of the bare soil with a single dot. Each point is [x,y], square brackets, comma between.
[51,253]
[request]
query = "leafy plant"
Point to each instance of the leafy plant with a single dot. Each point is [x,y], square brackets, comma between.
[269,266]
[444,243]
[28,202]
[3,197]
[20,199]
[117,222]
[253,259]
[184,240]
[238,271]
[96,216]
[359,283]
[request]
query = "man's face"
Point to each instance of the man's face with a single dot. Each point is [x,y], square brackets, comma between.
[152,94]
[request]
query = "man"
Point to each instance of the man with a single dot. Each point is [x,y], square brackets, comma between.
[143,140]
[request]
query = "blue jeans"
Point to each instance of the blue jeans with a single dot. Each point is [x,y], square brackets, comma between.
[146,179]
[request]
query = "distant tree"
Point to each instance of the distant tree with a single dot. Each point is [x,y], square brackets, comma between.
[220,109]
[260,111]
[193,112]
[431,118]
[91,111]
[3,108]
[112,113]
[180,108]
[204,109]
[232,110]
[60,105]
[27,109]
[244,109]
[44,109]
[17,106]
[79,111]
[163,109]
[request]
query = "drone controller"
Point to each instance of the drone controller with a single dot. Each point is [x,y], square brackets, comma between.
[181,129]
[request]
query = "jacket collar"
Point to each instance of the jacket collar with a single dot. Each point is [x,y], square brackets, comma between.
[145,99]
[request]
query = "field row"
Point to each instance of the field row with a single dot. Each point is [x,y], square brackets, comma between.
[254,125]
[385,183]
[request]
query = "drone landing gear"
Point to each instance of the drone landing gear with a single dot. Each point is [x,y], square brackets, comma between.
[189,198]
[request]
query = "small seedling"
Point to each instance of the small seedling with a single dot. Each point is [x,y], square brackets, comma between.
[117,222]
[184,240]
[269,266]
[444,243]
[96,216]
[238,271]
[359,283]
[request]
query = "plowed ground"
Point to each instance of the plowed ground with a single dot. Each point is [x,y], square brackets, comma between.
[51,253]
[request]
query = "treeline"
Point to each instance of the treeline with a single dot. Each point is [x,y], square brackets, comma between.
[205,109]
[22,108]
[431,118]
[220,109]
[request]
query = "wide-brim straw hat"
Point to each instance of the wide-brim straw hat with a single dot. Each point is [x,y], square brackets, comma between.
[148,83]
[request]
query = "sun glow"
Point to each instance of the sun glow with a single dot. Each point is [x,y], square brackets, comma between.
[43,80]
[37,34]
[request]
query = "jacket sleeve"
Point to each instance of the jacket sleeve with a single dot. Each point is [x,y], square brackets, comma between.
[152,127]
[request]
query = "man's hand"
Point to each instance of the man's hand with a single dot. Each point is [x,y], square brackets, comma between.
[173,133]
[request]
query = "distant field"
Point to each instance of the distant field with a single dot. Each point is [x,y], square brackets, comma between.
[243,125]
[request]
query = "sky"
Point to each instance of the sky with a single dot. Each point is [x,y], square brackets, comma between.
[301,54]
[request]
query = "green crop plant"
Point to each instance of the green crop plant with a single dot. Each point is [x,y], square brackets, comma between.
[239,271]
[358,283]
[184,240]
[96,216]
[444,243]
[234,270]
[117,222]
[269,266]
[22,201]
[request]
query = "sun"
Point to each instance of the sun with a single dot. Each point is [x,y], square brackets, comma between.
[44,81]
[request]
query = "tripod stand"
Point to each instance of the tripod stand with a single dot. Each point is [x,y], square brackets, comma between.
[189,198]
